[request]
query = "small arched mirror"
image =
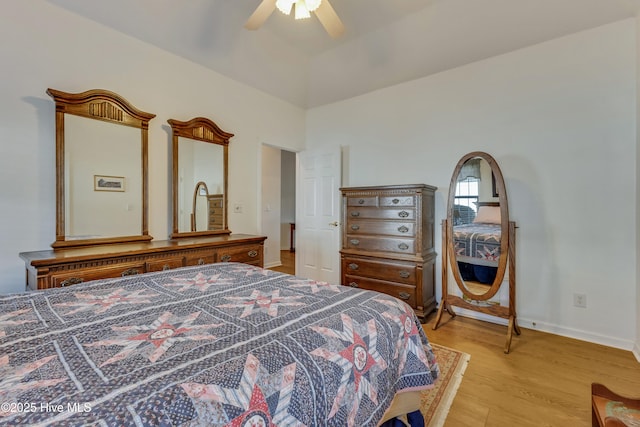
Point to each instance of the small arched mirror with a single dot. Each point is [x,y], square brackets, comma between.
[101,169]
[200,159]
[200,209]
[478,240]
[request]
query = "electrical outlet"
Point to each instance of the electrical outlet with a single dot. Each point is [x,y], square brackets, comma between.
[580,300]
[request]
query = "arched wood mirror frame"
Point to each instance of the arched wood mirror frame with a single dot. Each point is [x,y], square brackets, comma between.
[109,107]
[204,130]
[474,300]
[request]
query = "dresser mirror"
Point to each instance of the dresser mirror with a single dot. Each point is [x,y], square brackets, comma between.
[478,241]
[101,169]
[200,161]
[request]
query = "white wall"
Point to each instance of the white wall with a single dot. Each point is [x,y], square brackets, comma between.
[560,119]
[47,46]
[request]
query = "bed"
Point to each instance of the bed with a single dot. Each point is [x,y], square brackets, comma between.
[220,344]
[477,244]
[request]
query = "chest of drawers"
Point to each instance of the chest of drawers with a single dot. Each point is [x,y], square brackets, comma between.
[65,267]
[387,242]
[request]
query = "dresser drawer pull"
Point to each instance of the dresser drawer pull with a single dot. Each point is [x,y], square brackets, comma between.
[403,229]
[361,202]
[404,296]
[403,246]
[355,227]
[353,284]
[354,242]
[213,211]
[201,261]
[395,201]
[71,281]
[225,258]
[166,267]
[403,214]
[405,274]
[353,266]
[252,254]
[130,272]
[355,213]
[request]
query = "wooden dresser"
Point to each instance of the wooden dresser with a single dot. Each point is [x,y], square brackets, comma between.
[216,212]
[64,267]
[387,242]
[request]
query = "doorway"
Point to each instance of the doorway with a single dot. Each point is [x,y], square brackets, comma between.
[278,213]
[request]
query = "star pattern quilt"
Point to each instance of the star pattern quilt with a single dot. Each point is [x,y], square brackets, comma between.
[218,345]
[477,243]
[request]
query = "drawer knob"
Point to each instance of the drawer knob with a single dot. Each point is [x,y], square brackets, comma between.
[361,202]
[403,246]
[395,201]
[71,281]
[353,266]
[355,227]
[253,254]
[201,261]
[405,274]
[225,258]
[404,296]
[166,267]
[403,229]
[353,284]
[130,272]
[213,211]
[355,213]
[403,214]
[354,242]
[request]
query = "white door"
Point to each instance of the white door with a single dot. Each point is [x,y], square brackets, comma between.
[318,214]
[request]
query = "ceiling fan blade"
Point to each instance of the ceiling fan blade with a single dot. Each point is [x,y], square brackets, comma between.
[260,15]
[329,19]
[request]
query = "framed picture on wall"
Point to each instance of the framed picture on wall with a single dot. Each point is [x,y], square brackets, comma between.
[108,183]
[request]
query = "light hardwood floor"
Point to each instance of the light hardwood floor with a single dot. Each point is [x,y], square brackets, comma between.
[544,381]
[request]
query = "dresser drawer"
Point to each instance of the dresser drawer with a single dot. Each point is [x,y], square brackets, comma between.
[394,272]
[164,264]
[397,201]
[376,213]
[245,254]
[394,228]
[215,203]
[362,201]
[215,222]
[403,292]
[208,257]
[380,244]
[79,276]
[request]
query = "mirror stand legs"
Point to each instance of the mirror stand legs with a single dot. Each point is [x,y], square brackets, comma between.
[513,327]
[444,305]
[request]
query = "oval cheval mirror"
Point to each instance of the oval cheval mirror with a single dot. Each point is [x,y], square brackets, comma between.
[478,242]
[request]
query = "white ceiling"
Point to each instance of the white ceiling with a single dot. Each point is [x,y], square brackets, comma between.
[386,41]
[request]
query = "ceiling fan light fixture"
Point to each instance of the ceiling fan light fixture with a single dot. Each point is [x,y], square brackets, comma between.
[285,6]
[301,10]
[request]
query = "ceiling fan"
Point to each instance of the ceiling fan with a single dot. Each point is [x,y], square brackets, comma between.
[322,8]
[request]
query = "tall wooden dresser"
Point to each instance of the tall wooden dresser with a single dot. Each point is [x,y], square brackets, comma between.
[387,242]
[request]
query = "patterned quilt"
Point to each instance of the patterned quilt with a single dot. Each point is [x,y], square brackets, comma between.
[223,344]
[477,243]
